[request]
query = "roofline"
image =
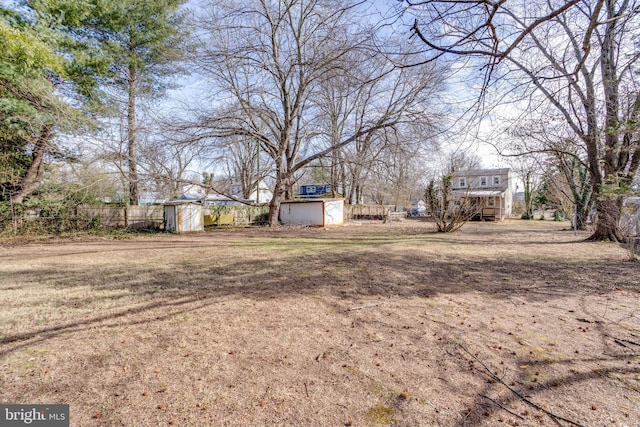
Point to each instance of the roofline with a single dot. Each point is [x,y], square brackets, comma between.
[482,171]
[318,199]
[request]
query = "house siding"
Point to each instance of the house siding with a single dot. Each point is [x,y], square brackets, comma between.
[496,181]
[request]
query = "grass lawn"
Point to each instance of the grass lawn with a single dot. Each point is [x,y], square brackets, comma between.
[513,323]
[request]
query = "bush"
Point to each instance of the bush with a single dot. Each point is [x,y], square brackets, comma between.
[43,217]
[559,215]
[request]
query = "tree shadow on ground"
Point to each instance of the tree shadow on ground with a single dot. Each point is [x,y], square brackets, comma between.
[345,275]
[341,271]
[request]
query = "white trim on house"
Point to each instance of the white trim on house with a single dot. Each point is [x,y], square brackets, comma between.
[483,193]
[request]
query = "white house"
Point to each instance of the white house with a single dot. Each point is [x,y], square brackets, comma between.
[488,189]
[197,193]
[261,194]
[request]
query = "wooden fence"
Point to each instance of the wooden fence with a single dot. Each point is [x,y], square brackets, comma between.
[235,215]
[56,218]
[131,217]
[47,218]
[355,212]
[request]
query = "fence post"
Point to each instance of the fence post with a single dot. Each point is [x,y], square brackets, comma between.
[14,220]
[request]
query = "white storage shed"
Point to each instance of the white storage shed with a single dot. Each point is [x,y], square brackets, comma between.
[318,212]
[182,216]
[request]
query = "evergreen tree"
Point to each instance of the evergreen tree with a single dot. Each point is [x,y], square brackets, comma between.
[129,48]
[31,108]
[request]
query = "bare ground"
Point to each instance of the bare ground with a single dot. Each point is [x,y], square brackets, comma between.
[514,323]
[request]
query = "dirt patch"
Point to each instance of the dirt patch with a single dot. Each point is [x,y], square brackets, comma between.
[514,323]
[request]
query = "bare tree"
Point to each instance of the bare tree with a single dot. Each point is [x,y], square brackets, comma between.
[244,163]
[574,185]
[267,60]
[549,146]
[464,160]
[449,212]
[528,168]
[567,185]
[395,175]
[166,164]
[579,56]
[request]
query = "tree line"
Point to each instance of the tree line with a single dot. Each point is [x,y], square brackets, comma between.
[330,91]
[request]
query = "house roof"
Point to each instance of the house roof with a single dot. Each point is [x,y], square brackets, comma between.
[181,202]
[483,193]
[481,172]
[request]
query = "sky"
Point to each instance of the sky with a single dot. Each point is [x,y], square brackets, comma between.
[190,88]
[387,13]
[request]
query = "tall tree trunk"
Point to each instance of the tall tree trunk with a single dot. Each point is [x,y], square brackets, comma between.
[343,178]
[355,195]
[134,192]
[335,173]
[274,206]
[31,180]
[609,207]
[278,193]
[608,218]
[582,214]
[583,199]
[528,198]
[288,187]
[359,195]
[583,195]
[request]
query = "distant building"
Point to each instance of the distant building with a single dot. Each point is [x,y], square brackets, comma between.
[488,189]
[314,191]
[418,208]
[148,198]
[196,193]
[260,195]
[213,199]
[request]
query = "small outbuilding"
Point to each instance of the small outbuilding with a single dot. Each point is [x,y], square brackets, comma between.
[183,216]
[317,212]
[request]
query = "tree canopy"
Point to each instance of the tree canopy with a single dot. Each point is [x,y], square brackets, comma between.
[576,61]
[31,72]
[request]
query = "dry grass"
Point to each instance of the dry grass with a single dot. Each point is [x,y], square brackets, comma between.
[357,325]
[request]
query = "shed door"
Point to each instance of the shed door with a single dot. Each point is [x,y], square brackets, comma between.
[190,219]
[306,213]
[170,218]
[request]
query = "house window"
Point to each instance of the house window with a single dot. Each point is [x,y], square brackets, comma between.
[462,182]
[483,181]
[496,180]
[492,201]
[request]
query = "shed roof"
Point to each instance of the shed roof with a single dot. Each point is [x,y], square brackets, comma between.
[316,200]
